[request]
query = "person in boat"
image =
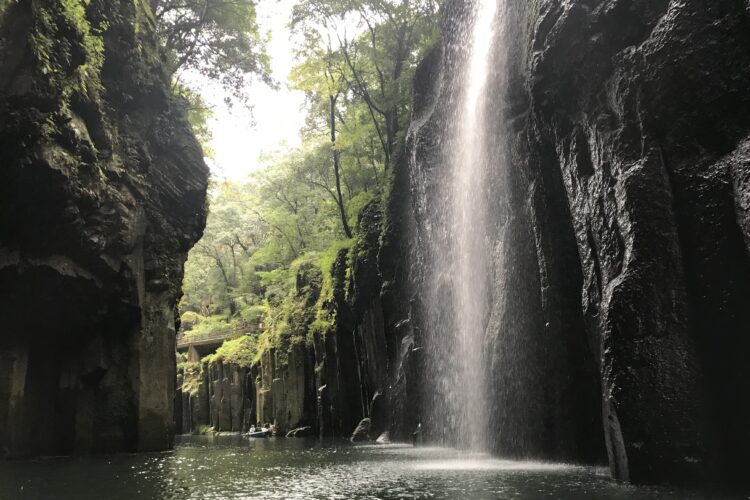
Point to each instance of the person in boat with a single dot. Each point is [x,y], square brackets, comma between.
[252,428]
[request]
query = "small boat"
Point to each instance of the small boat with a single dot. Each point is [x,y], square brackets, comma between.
[262,433]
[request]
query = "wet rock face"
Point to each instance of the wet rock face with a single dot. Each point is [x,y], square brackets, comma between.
[649,134]
[626,196]
[102,195]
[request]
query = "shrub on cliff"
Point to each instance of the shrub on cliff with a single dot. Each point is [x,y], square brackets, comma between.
[192,375]
[189,320]
[240,351]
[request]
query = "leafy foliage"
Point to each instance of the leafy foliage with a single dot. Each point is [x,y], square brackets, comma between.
[192,374]
[369,50]
[278,247]
[239,351]
[218,38]
[198,115]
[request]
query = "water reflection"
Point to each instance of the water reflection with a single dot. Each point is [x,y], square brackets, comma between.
[232,467]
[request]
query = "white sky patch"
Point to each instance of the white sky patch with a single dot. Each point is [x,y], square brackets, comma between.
[278,114]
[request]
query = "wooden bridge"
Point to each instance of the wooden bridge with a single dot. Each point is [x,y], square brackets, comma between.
[201,344]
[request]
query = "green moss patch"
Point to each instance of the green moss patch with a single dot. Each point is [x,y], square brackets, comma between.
[192,375]
[240,351]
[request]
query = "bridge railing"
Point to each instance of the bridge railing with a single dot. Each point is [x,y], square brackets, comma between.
[186,339]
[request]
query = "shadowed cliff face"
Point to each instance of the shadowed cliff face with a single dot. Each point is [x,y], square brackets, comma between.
[102,191]
[647,132]
[620,229]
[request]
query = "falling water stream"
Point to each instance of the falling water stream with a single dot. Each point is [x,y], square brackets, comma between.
[469,165]
[460,253]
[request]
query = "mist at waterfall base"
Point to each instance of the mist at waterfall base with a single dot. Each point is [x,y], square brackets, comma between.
[229,467]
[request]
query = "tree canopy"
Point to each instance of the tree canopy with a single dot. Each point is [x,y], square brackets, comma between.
[218,38]
[354,62]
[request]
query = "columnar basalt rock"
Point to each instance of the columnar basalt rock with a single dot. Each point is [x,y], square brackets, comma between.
[220,395]
[285,389]
[647,134]
[102,195]
[330,362]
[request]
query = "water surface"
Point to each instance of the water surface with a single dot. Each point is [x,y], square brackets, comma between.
[233,467]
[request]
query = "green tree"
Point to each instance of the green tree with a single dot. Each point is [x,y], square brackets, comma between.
[198,114]
[322,79]
[354,63]
[218,38]
[379,43]
[221,40]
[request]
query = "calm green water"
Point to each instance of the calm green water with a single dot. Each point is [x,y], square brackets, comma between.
[233,467]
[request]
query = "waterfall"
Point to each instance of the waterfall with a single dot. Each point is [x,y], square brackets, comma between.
[458,254]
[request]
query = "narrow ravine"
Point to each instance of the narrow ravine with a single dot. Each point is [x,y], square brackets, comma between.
[488,249]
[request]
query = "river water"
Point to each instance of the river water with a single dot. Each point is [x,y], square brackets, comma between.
[233,467]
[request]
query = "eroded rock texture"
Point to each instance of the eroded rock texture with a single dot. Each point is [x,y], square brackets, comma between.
[647,133]
[622,233]
[102,189]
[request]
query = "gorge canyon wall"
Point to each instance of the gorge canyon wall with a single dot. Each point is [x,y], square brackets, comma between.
[333,365]
[617,202]
[102,194]
[618,230]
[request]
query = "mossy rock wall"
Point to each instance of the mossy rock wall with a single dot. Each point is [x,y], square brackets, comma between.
[102,193]
[340,357]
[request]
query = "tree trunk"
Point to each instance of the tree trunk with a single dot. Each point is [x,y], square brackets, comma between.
[337,170]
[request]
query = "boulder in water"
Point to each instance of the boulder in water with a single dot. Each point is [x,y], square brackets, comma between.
[362,432]
[384,438]
[299,432]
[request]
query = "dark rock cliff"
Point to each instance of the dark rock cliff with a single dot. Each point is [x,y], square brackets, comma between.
[622,232]
[647,135]
[102,190]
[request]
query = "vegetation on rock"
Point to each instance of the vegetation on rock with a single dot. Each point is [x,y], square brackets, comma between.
[192,375]
[239,351]
[277,254]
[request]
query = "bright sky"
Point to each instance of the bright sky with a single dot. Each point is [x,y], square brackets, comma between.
[278,114]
